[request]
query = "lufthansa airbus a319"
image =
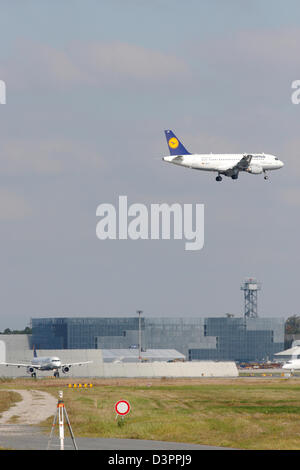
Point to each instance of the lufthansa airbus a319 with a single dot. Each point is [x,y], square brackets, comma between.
[51,363]
[224,164]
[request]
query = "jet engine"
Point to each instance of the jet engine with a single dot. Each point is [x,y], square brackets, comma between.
[255,169]
[30,370]
[65,369]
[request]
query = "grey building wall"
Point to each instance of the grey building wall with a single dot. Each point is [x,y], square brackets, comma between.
[16,349]
[219,338]
[242,339]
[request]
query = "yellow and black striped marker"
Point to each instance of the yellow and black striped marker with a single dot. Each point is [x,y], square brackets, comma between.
[80,385]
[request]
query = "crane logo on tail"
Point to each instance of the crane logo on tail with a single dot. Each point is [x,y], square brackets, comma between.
[173,142]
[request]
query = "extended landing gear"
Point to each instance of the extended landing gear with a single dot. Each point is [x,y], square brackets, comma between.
[265,176]
[33,375]
[56,374]
[219,178]
[234,177]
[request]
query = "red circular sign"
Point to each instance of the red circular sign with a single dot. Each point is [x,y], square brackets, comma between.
[122,407]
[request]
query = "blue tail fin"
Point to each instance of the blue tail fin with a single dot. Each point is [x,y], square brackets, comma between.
[175,146]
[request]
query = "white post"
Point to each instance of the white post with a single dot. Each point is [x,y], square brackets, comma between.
[61,420]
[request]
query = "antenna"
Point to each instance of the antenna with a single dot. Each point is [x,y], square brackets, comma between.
[250,287]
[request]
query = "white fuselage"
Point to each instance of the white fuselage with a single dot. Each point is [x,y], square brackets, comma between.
[222,162]
[293,364]
[47,363]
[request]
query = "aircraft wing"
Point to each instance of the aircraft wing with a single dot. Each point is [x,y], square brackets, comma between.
[241,165]
[244,162]
[69,364]
[35,366]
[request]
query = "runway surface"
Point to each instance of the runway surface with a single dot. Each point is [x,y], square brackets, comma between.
[24,437]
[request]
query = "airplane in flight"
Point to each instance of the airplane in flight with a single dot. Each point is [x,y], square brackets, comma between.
[45,363]
[224,164]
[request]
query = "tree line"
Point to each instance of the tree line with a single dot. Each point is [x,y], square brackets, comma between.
[292,325]
[8,331]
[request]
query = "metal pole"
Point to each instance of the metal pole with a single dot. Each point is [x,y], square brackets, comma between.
[140,335]
[70,429]
[52,430]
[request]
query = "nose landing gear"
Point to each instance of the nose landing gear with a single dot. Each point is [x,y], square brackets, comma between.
[265,176]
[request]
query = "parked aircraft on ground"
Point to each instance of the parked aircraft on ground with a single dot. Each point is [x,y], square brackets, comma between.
[224,164]
[292,364]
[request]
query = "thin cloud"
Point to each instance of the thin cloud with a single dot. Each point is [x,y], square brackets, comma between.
[107,64]
[47,156]
[13,206]
[268,48]
[291,196]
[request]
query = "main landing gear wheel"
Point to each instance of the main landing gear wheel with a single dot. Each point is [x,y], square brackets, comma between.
[234,177]
[56,374]
[266,177]
[33,375]
[219,178]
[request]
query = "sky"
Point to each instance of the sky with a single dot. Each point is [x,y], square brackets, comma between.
[90,88]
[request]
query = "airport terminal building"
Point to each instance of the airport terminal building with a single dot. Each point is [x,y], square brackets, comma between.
[237,339]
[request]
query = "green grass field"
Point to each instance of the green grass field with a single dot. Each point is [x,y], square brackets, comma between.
[240,413]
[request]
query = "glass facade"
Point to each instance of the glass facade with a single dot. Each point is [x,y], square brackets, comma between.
[220,338]
[241,339]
